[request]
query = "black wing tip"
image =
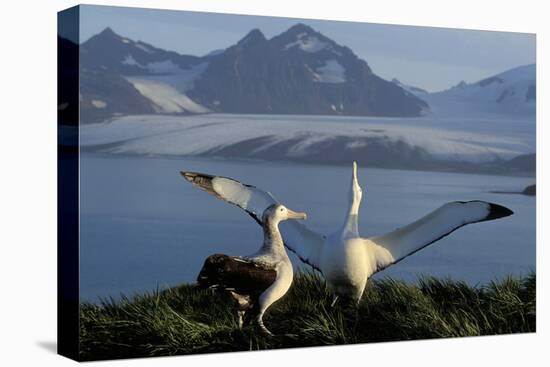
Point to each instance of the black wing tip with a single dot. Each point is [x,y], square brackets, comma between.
[498,211]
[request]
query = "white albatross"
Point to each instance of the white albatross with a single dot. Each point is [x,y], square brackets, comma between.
[257,281]
[345,259]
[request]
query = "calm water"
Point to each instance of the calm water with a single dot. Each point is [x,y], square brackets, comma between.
[143,226]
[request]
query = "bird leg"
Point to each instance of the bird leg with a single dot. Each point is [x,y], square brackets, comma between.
[356,321]
[240,318]
[349,306]
[243,304]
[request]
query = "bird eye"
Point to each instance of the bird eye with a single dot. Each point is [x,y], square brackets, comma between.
[281,209]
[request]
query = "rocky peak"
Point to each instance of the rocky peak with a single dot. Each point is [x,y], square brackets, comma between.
[253,37]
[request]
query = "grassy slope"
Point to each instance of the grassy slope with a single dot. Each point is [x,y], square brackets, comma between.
[185,320]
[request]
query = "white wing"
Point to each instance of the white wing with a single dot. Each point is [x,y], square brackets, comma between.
[434,226]
[305,243]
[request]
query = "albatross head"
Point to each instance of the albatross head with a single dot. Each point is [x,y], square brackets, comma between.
[356,193]
[277,213]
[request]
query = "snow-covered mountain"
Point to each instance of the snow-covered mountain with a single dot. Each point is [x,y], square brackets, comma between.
[511,94]
[297,72]
[110,51]
[120,76]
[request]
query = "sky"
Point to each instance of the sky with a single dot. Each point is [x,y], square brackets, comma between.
[426,57]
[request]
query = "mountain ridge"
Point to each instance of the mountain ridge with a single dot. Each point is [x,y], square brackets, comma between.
[299,71]
[510,94]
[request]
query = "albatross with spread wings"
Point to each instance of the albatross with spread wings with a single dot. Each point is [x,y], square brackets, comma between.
[345,259]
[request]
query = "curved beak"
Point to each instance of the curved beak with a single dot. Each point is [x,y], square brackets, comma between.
[296,215]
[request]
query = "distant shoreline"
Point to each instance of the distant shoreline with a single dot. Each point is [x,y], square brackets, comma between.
[96,150]
[528,191]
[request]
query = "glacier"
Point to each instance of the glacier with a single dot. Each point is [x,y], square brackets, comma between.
[315,139]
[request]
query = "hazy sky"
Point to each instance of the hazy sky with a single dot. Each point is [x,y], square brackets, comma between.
[427,57]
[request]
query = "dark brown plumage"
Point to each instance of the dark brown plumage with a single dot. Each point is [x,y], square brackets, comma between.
[237,274]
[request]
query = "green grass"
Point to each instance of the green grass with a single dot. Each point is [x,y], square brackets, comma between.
[185,320]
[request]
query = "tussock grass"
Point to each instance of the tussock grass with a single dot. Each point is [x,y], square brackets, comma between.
[186,320]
